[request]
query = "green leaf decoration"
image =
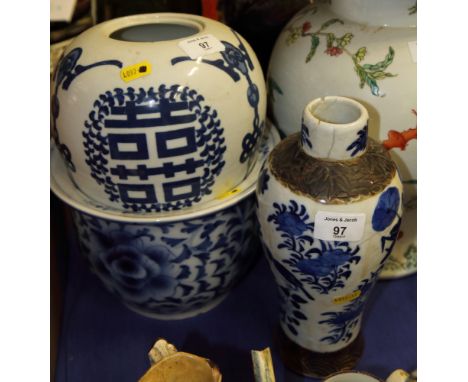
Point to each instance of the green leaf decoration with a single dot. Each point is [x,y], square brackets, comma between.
[382,64]
[380,75]
[373,85]
[272,88]
[330,39]
[293,36]
[314,43]
[360,54]
[326,24]
[362,76]
[412,10]
[345,40]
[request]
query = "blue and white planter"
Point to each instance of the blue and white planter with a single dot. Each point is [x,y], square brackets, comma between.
[171,270]
[325,277]
[158,112]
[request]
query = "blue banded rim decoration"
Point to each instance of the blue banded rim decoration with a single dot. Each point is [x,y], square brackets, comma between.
[62,186]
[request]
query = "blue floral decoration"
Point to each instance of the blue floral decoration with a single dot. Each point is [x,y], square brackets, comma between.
[166,270]
[292,221]
[323,265]
[386,209]
[328,262]
[140,272]
[292,295]
[314,264]
[360,143]
[343,322]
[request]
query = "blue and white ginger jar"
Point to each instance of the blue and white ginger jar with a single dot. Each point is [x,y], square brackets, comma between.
[158,112]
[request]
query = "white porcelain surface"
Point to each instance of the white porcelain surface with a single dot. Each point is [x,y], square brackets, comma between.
[362,49]
[181,134]
[330,126]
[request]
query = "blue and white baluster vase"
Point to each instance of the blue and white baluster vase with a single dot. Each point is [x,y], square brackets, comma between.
[329,207]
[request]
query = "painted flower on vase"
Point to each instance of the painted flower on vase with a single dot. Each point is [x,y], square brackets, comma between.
[334,51]
[336,45]
[325,264]
[343,322]
[324,268]
[386,209]
[137,272]
[306,26]
[292,220]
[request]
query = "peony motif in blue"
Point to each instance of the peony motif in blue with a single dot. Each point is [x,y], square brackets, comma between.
[170,268]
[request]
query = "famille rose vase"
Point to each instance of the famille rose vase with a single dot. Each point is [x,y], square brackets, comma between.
[365,50]
[329,208]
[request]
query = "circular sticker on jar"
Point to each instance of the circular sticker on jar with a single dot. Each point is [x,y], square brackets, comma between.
[335,226]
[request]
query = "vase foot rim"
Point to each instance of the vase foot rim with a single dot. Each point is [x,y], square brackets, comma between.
[318,365]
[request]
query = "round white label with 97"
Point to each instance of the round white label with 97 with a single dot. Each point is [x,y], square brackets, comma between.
[335,226]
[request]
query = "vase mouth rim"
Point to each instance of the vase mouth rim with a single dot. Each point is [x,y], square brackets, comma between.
[336,112]
[111,28]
